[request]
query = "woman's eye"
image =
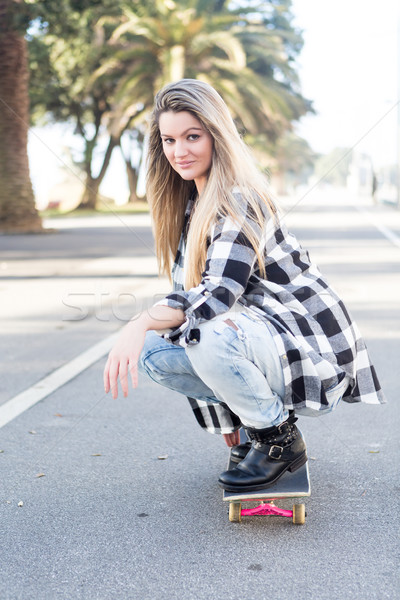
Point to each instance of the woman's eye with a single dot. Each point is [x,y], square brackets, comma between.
[168,140]
[193,137]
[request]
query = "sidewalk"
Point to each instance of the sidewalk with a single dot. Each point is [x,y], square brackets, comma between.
[103,517]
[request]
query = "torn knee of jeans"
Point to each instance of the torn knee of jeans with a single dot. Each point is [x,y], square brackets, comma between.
[232,324]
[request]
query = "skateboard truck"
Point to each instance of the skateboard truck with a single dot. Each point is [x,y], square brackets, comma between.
[298,514]
[267,508]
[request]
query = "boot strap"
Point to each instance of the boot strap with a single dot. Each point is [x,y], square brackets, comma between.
[275,452]
[270,435]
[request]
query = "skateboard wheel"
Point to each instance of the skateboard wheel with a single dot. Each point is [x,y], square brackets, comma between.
[299,514]
[235,512]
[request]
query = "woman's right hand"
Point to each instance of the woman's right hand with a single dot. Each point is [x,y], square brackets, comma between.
[123,359]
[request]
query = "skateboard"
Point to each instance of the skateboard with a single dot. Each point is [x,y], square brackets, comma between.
[290,485]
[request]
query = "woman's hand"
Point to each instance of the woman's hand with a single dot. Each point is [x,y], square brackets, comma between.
[232,439]
[123,359]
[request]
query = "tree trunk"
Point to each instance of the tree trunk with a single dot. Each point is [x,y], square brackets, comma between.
[132,176]
[92,184]
[90,194]
[176,63]
[17,204]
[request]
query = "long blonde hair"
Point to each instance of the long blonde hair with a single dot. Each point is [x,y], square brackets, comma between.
[232,169]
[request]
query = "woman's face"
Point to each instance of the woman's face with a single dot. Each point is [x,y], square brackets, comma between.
[187,146]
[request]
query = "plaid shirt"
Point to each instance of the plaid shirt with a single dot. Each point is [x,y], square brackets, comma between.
[317,340]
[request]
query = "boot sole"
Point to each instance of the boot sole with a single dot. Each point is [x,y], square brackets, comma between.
[292,467]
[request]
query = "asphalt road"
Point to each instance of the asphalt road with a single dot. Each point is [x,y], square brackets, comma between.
[102,516]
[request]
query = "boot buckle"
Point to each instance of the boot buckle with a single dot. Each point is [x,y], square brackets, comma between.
[275,452]
[284,427]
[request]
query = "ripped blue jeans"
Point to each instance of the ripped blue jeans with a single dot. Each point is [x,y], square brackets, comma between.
[226,366]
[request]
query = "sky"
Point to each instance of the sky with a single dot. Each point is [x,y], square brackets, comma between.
[349,67]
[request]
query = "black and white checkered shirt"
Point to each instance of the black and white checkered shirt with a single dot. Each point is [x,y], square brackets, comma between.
[317,340]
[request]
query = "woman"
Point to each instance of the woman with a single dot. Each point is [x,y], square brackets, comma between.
[252,331]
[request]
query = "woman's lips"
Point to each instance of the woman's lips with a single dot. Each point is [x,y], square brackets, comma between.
[185,165]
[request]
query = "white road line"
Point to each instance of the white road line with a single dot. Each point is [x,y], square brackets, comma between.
[390,235]
[28,398]
[385,231]
[40,390]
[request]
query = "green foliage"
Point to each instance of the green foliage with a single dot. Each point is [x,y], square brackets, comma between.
[241,52]
[100,63]
[63,53]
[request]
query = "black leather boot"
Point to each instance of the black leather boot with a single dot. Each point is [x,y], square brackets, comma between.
[274,451]
[239,452]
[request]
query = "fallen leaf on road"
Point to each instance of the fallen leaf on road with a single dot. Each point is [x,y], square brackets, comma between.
[95,455]
[162,457]
[20,503]
[373,451]
[32,432]
[57,415]
[40,475]
[1,451]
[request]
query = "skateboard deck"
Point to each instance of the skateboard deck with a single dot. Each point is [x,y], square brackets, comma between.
[290,485]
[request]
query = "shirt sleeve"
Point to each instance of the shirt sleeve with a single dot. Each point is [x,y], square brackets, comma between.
[229,264]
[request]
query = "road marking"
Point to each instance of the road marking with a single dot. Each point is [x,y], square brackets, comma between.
[385,231]
[15,406]
[40,390]
[390,235]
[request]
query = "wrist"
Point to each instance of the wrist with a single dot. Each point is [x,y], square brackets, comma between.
[158,318]
[143,320]
[140,321]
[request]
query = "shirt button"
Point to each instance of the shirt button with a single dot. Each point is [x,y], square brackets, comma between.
[207,293]
[284,356]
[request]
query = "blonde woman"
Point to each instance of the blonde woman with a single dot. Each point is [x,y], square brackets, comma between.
[251,333]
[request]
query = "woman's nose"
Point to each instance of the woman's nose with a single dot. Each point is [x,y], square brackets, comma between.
[180,149]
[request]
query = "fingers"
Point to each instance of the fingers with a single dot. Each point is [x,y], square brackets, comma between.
[123,359]
[229,439]
[106,377]
[123,377]
[236,437]
[115,369]
[134,373]
[232,439]
[113,377]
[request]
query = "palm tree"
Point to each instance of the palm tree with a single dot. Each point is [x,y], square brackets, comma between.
[239,52]
[17,203]
[151,46]
[102,66]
